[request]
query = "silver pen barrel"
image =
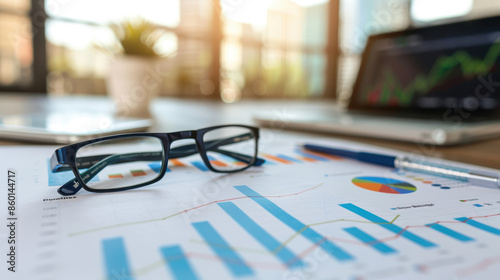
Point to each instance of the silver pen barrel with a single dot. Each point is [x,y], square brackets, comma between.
[475,177]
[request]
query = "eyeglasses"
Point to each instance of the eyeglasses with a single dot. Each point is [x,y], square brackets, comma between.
[130,161]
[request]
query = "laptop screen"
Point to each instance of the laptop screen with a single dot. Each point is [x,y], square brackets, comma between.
[441,71]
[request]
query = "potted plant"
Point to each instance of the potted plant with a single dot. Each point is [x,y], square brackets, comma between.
[133,79]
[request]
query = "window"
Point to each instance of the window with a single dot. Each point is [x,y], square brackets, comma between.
[79,40]
[242,48]
[430,10]
[274,48]
[238,48]
[22,67]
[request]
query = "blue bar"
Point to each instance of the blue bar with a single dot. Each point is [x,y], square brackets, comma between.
[156,167]
[261,235]
[296,225]
[230,258]
[311,156]
[450,232]
[57,179]
[479,225]
[370,240]
[226,158]
[176,260]
[385,224]
[115,259]
[200,165]
[285,157]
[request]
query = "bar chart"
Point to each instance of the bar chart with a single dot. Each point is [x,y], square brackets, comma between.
[299,157]
[180,264]
[301,215]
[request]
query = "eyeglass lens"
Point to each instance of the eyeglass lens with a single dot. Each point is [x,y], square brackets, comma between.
[230,148]
[113,164]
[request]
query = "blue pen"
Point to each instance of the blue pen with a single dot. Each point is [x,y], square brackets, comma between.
[475,177]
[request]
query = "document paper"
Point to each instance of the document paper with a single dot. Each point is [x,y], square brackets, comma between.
[301,215]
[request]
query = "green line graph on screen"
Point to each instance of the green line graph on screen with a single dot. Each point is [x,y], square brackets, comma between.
[393,92]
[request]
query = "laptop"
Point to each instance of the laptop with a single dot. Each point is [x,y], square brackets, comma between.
[438,85]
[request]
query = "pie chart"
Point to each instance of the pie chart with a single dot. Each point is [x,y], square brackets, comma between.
[384,185]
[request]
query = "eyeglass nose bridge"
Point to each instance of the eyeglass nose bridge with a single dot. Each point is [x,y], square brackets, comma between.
[188,134]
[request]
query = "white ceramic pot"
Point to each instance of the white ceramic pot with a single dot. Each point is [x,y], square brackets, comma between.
[132,83]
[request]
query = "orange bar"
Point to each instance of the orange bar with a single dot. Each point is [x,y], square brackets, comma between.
[278,159]
[138,172]
[115,176]
[323,155]
[308,159]
[218,163]
[176,162]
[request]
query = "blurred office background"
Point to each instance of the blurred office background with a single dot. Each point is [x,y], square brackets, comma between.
[216,49]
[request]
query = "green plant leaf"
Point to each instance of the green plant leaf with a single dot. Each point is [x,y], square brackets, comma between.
[137,37]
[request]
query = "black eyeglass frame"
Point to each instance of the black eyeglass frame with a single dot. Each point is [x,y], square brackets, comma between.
[66,156]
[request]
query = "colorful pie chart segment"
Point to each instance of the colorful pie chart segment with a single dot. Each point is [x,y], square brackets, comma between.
[384,185]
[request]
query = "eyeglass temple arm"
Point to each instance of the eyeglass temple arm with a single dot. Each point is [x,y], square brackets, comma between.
[91,161]
[73,186]
[177,152]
